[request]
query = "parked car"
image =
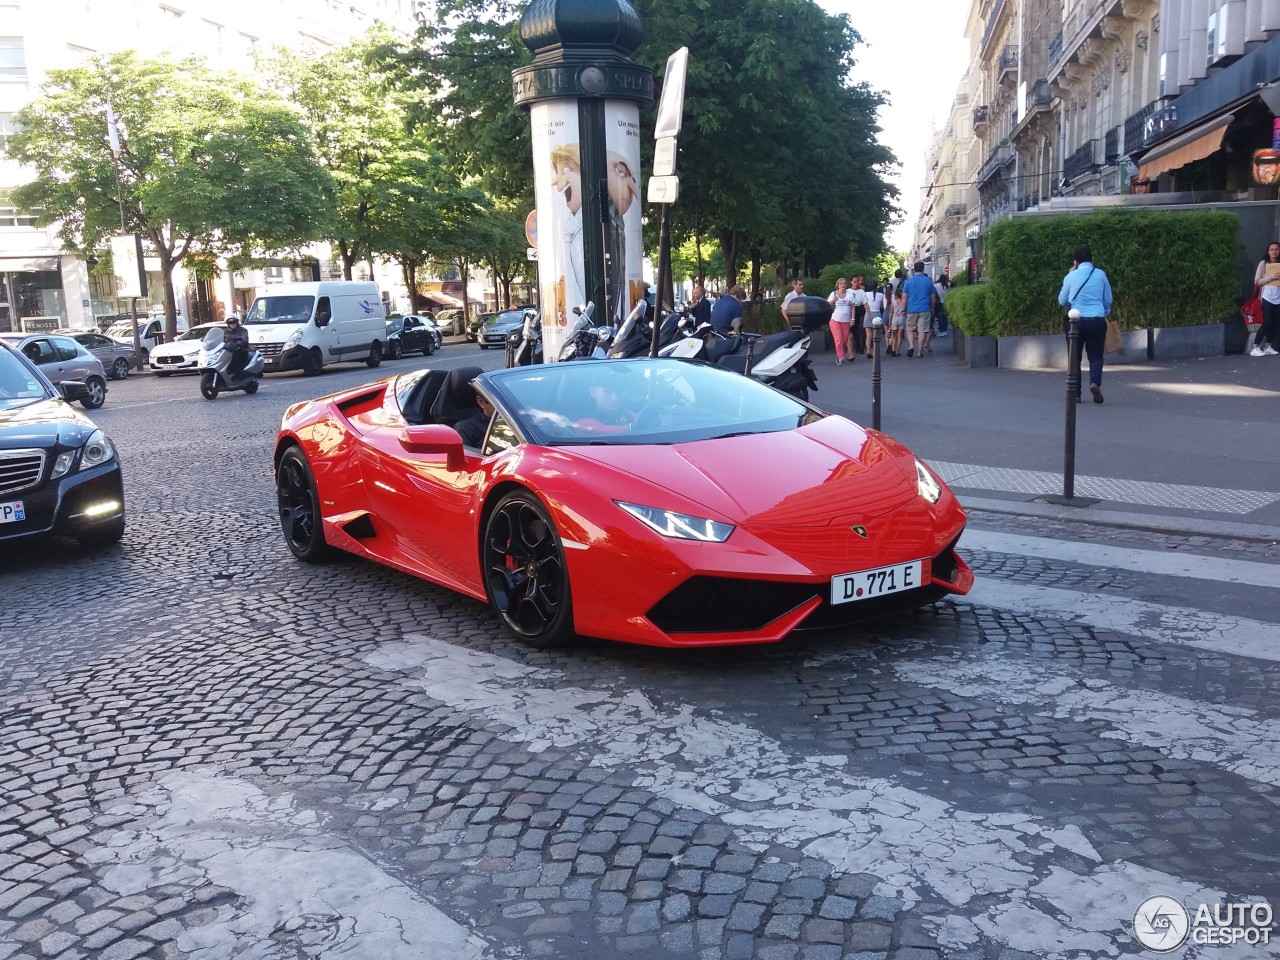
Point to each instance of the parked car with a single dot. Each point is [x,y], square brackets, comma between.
[61,359]
[618,500]
[150,332]
[58,472]
[115,356]
[451,322]
[182,355]
[476,324]
[495,332]
[413,333]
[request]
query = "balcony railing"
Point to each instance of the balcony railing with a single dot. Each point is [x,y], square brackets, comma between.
[992,19]
[955,210]
[1055,49]
[1082,161]
[1111,146]
[1002,155]
[1134,125]
[981,115]
[1008,63]
[962,99]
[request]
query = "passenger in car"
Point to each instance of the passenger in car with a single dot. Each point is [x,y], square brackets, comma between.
[473,428]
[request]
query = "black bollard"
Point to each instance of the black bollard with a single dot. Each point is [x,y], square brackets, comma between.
[509,359]
[877,329]
[1073,390]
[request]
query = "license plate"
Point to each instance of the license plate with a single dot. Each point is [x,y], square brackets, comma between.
[865,584]
[12,512]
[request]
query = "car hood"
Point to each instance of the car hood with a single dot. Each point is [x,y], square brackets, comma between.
[44,423]
[815,473]
[179,348]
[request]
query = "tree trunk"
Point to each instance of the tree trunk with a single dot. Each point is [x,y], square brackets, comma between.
[348,254]
[729,247]
[465,275]
[697,251]
[506,290]
[409,273]
[755,271]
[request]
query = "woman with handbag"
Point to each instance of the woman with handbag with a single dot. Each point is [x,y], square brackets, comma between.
[1267,279]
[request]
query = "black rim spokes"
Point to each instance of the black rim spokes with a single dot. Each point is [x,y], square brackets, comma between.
[524,568]
[295,503]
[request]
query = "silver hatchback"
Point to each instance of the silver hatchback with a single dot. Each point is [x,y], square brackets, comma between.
[116,357]
[61,358]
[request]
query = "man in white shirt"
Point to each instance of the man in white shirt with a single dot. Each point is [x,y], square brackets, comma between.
[797,290]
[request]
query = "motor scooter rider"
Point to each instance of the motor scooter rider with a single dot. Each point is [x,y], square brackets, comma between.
[236,341]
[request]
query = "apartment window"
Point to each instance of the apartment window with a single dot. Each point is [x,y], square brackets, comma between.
[8,127]
[13,59]
[11,216]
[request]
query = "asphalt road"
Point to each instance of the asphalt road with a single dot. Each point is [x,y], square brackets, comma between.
[210,750]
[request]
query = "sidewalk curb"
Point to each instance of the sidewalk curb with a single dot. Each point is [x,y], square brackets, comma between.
[1156,523]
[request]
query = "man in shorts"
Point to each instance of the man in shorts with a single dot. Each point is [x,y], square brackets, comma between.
[921,297]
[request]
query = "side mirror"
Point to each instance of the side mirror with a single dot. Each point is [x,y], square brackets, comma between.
[73,390]
[429,438]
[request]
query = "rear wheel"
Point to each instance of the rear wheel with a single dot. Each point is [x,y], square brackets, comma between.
[251,386]
[300,509]
[393,350]
[312,362]
[524,570]
[209,385]
[375,355]
[97,393]
[119,368]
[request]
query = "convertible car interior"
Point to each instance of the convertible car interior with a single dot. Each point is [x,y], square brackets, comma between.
[442,396]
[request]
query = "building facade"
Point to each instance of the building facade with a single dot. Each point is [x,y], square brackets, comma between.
[40,279]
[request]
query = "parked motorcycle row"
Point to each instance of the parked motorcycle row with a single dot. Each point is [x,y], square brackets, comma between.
[778,359]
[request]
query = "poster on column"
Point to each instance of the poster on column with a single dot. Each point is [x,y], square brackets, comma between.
[624,285]
[557,166]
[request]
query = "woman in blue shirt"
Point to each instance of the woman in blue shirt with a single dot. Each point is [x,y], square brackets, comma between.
[1087,289]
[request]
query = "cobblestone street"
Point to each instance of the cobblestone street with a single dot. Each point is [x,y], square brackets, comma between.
[209,750]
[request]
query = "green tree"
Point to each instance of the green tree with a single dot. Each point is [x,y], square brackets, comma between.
[504,251]
[207,164]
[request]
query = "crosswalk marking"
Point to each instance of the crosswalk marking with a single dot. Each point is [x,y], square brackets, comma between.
[1144,493]
[1167,563]
[1219,632]
[913,842]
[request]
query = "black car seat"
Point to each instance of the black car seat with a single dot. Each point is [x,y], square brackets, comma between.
[417,406]
[456,399]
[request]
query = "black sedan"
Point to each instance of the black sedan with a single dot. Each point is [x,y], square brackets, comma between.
[412,333]
[501,325]
[59,473]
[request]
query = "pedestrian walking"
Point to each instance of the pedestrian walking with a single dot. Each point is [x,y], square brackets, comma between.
[841,323]
[920,298]
[1267,277]
[858,292]
[875,314]
[897,317]
[939,311]
[1087,289]
[797,290]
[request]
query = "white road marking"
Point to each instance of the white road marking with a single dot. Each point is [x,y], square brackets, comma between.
[301,892]
[1219,632]
[858,824]
[1168,563]
[1232,738]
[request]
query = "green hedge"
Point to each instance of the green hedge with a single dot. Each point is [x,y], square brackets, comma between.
[967,309]
[1167,269]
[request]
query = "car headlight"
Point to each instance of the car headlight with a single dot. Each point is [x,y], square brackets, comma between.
[97,451]
[63,463]
[295,338]
[678,526]
[926,485]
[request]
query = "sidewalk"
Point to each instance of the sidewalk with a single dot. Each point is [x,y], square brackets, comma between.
[1190,445]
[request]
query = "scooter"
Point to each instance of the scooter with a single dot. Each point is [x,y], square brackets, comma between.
[525,344]
[584,341]
[215,361]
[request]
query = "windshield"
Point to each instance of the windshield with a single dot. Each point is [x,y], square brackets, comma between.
[643,401]
[280,310]
[122,331]
[198,333]
[509,316]
[18,385]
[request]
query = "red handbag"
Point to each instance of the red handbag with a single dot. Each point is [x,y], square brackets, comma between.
[1251,309]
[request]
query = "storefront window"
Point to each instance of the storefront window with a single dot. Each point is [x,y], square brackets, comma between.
[36,293]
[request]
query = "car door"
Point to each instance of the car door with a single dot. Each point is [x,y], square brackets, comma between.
[423,511]
[74,361]
[40,352]
[410,334]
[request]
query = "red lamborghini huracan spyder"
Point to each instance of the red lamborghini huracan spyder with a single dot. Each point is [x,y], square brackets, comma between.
[651,501]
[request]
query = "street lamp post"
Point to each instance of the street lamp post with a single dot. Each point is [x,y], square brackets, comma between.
[1073,391]
[113,139]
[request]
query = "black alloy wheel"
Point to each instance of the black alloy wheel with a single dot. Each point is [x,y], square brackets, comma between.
[312,362]
[375,355]
[525,574]
[97,393]
[300,508]
[393,350]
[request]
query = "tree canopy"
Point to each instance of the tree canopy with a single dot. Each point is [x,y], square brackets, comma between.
[207,163]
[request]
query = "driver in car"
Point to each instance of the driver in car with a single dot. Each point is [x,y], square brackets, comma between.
[611,413]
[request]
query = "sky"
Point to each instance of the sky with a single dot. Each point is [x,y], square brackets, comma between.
[915,52]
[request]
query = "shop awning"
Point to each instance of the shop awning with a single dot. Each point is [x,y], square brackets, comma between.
[444,299]
[27,264]
[1188,147]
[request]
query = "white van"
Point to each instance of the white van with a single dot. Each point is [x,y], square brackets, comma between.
[150,332]
[308,325]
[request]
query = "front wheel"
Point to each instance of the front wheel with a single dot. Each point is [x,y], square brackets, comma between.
[375,356]
[209,385]
[393,350]
[312,362]
[119,368]
[97,393]
[525,574]
[300,508]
